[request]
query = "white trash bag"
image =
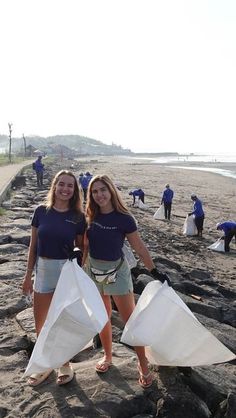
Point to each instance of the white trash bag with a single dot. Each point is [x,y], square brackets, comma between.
[76,314]
[136,202]
[170,332]
[142,205]
[219,246]
[189,226]
[128,253]
[160,213]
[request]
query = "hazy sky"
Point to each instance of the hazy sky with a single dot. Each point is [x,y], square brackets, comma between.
[150,75]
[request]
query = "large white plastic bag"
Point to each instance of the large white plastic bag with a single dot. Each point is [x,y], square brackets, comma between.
[129,256]
[160,213]
[171,333]
[189,226]
[76,314]
[219,246]
[142,205]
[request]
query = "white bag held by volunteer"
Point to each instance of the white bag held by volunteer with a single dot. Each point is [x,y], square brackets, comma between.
[219,246]
[170,332]
[136,201]
[129,256]
[76,314]
[189,226]
[142,205]
[160,213]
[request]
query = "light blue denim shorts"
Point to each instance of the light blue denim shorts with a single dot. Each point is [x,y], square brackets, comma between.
[123,284]
[47,273]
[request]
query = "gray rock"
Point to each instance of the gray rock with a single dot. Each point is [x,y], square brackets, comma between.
[11,300]
[18,223]
[20,237]
[9,249]
[12,270]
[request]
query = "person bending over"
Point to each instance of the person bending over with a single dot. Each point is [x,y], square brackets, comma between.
[229,229]
[137,193]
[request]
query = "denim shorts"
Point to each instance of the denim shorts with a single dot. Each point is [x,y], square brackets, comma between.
[123,284]
[47,274]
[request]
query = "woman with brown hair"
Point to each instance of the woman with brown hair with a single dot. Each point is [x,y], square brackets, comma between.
[109,223]
[57,227]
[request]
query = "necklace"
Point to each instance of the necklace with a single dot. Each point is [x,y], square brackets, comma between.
[60,210]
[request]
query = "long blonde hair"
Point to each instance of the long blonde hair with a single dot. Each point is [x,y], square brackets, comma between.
[75,202]
[92,208]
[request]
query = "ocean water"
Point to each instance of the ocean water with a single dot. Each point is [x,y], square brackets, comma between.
[207,162]
[221,171]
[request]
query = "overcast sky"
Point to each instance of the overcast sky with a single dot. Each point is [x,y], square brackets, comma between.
[150,75]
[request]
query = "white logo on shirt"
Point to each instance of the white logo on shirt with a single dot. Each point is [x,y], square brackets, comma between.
[104,227]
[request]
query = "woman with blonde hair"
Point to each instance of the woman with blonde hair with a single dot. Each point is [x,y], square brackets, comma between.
[109,223]
[56,228]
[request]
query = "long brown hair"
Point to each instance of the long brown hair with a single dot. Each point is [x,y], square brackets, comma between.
[92,208]
[75,202]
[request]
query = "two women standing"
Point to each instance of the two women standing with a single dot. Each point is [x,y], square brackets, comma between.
[61,224]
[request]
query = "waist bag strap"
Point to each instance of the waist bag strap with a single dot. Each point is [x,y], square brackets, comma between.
[110,271]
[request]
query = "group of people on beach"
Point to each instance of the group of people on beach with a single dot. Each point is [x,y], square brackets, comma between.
[227,227]
[99,231]
[98,228]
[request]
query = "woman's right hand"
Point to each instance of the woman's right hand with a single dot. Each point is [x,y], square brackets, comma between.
[27,285]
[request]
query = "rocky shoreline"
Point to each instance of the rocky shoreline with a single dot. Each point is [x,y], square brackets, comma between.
[204,280]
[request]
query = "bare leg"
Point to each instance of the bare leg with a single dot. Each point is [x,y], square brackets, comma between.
[42,303]
[125,305]
[106,338]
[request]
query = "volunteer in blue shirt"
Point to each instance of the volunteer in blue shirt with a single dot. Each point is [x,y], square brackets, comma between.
[137,193]
[198,214]
[84,180]
[109,223]
[57,226]
[229,229]
[39,168]
[167,197]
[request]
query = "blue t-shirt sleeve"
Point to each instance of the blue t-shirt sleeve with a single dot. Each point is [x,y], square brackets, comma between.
[130,224]
[35,218]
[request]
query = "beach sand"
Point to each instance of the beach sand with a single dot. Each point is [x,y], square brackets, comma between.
[217,193]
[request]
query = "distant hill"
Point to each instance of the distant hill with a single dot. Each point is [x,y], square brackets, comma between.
[73,145]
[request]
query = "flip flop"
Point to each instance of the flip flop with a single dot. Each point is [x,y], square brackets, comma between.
[103,366]
[65,375]
[145,380]
[36,378]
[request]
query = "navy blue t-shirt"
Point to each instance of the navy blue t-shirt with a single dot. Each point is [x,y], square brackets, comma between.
[106,235]
[56,230]
[168,195]
[227,226]
[197,208]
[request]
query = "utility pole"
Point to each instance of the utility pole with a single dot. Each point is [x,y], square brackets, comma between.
[23,136]
[10,131]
